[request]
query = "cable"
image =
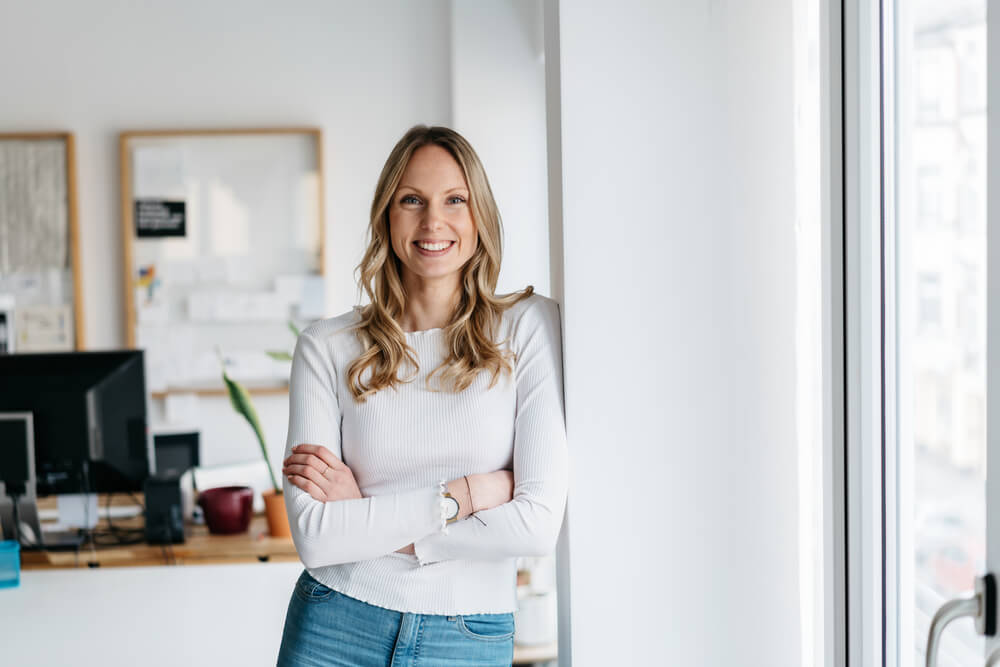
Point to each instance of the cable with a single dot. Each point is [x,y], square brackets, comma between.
[119,536]
[136,500]
[116,535]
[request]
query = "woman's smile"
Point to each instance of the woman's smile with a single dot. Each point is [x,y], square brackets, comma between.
[433,249]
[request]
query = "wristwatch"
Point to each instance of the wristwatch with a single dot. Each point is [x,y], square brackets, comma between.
[453,511]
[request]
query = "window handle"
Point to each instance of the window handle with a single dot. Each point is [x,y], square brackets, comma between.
[982,607]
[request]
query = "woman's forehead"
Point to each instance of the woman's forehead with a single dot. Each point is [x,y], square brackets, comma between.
[432,165]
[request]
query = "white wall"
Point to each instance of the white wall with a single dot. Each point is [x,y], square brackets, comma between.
[498,104]
[681,358]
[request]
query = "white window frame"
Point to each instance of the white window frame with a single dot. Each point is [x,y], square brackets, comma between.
[872,601]
[835,44]
[992,288]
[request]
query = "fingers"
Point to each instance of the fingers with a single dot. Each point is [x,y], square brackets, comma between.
[308,486]
[307,460]
[307,472]
[322,452]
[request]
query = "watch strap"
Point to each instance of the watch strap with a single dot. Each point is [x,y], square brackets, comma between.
[457,507]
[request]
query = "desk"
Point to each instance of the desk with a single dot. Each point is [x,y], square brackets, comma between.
[201,548]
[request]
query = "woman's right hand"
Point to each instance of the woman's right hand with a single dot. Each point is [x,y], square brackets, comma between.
[315,470]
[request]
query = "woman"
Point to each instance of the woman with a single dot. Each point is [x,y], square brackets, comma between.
[411,498]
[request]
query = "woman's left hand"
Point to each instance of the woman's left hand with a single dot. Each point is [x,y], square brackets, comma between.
[315,470]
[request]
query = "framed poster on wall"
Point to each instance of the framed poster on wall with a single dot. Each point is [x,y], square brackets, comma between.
[223,248]
[40,283]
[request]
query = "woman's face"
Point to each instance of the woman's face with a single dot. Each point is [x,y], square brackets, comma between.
[431,209]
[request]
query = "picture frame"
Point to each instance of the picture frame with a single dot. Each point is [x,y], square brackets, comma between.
[40,267]
[223,248]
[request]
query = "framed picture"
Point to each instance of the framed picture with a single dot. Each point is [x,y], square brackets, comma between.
[39,242]
[223,243]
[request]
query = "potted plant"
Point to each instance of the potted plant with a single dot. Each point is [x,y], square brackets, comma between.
[274,500]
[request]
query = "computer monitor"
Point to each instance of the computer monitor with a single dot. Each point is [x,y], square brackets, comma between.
[89,412]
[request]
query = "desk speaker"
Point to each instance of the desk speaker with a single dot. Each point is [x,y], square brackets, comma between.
[164,517]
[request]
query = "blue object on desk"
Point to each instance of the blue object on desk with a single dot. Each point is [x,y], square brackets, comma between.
[10,564]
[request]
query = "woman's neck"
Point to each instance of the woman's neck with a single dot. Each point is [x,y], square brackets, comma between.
[429,306]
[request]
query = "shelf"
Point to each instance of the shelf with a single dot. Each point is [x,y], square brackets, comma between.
[263,390]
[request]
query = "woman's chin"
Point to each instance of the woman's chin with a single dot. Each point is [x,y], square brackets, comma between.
[436,274]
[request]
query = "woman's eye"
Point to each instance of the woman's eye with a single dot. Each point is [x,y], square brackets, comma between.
[457,199]
[409,199]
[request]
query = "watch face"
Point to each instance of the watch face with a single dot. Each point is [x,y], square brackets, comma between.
[453,510]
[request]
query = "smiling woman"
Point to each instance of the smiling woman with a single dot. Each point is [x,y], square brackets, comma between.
[409,508]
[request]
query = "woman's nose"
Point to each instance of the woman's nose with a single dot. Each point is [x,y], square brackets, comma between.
[434,217]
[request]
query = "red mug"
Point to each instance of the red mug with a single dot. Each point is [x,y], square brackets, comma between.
[227,509]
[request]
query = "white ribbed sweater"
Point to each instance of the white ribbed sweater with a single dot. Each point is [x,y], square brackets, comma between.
[402,446]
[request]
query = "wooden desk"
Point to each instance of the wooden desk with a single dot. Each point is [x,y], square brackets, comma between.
[199,548]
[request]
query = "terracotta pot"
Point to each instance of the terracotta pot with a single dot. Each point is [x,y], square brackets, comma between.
[277,518]
[227,509]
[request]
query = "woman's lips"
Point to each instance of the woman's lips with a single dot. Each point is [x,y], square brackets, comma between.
[433,253]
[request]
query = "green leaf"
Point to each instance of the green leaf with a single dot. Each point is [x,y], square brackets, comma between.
[295,329]
[279,355]
[242,403]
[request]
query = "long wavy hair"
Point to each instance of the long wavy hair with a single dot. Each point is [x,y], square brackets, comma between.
[471,334]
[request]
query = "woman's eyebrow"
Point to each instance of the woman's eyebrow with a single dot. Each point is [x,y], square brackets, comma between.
[419,191]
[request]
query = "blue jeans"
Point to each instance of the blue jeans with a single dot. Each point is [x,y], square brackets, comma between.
[325,627]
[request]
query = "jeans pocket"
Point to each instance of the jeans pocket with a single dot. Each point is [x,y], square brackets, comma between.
[487,627]
[310,590]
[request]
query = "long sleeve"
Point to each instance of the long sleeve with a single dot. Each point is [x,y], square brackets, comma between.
[529,524]
[344,531]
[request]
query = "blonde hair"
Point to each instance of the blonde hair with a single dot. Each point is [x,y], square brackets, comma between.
[470,335]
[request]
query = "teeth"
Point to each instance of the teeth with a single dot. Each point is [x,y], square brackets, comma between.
[434,246]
